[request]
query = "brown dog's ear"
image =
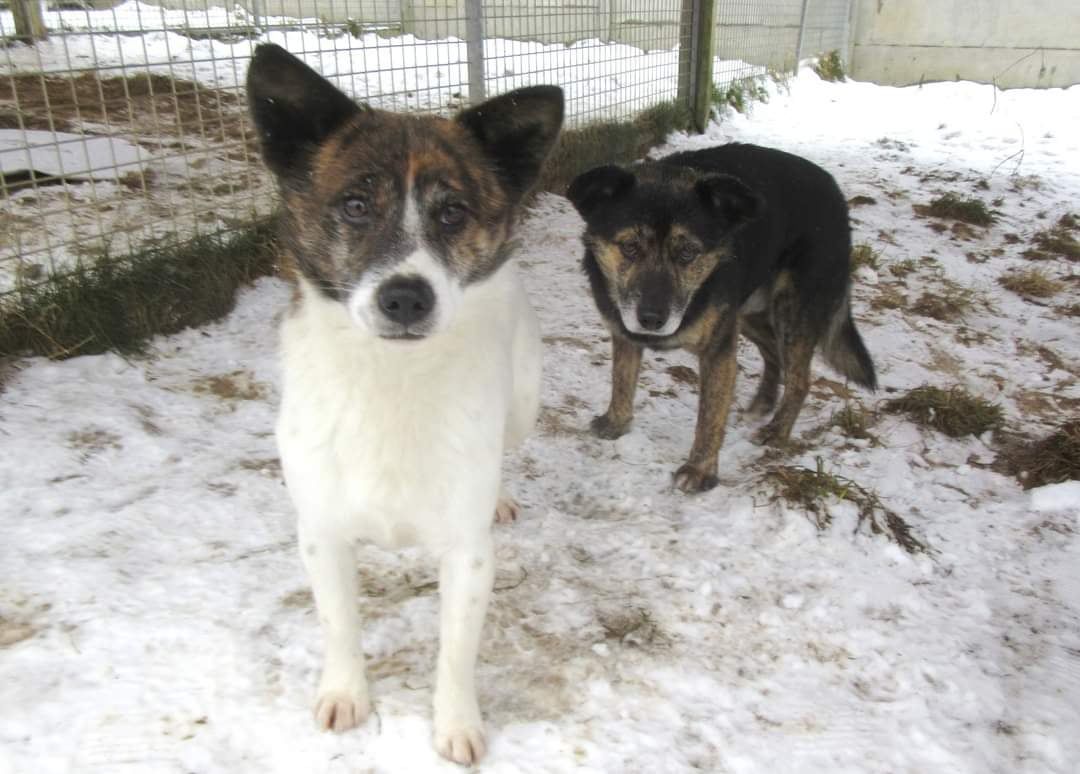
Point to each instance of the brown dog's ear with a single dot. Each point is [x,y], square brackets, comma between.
[730,198]
[597,186]
[293,108]
[516,131]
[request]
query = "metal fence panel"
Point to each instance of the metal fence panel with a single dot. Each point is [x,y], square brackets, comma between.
[127,125]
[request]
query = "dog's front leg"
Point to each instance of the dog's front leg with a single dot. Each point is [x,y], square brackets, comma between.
[466,574]
[625,367]
[717,367]
[330,561]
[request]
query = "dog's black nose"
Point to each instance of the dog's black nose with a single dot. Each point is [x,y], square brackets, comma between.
[651,319]
[406,300]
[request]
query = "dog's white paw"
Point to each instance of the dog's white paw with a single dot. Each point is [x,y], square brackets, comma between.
[507,510]
[462,744]
[340,710]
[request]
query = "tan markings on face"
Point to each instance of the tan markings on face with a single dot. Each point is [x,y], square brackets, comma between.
[689,276]
[441,173]
[622,270]
[783,284]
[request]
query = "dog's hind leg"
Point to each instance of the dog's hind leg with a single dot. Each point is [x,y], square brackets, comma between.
[625,367]
[466,575]
[525,404]
[796,338]
[330,561]
[759,330]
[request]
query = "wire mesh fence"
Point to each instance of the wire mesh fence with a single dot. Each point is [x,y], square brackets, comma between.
[126,125]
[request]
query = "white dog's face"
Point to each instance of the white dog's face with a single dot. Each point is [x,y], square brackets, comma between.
[395,215]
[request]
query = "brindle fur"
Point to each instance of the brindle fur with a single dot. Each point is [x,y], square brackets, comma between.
[355,151]
[728,240]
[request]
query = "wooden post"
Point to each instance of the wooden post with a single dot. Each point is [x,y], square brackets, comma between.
[29,21]
[474,46]
[686,49]
[802,36]
[702,61]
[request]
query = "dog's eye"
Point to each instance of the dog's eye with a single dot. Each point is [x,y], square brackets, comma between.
[355,209]
[686,254]
[630,250]
[452,215]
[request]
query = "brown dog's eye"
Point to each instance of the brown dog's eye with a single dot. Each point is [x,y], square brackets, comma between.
[630,250]
[452,215]
[355,209]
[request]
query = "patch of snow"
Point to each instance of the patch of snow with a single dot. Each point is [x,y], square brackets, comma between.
[65,154]
[1057,497]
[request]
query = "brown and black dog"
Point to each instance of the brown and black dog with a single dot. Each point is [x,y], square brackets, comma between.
[690,250]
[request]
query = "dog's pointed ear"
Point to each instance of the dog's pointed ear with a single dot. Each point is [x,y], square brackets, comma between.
[292,106]
[597,186]
[730,198]
[516,131]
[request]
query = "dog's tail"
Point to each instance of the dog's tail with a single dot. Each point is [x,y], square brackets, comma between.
[845,351]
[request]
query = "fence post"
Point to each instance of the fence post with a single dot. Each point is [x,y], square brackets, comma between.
[686,48]
[474,46]
[700,63]
[802,33]
[849,39]
[256,14]
[29,21]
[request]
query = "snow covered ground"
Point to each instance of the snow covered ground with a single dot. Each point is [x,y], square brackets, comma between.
[154,616]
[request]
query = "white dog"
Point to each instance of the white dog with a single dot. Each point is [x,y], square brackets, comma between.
[411,353]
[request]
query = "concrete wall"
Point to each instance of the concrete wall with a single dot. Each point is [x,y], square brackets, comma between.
[1030,43]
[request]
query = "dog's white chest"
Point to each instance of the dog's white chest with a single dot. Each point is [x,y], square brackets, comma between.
[382,439]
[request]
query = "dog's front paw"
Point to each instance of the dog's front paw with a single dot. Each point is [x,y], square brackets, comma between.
[507,510]
[605,427]
[770,435]
[690,479]
[761,405]
[341,710]
[462,744]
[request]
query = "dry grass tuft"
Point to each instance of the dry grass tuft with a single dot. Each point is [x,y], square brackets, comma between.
[887,297]
[863,254]
[830,67]
[948,303]
[113,303]
[854,421]
[954,411]
[1057,241]
[1050,460]
[953,207]
[1031,283]
[609,142]
[234,386]
[814,489]
[900,269]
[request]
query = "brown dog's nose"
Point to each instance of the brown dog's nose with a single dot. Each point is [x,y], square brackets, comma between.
[651,319]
